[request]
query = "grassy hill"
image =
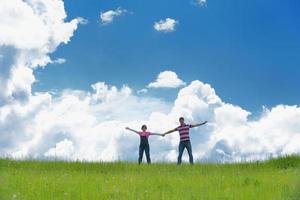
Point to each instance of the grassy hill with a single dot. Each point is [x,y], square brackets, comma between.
[274,179]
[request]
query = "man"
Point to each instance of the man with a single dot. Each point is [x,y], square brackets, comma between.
[184,131]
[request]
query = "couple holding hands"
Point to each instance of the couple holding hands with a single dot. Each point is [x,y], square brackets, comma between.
[184,132]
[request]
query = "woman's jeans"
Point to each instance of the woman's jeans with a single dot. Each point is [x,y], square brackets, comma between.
[146,148]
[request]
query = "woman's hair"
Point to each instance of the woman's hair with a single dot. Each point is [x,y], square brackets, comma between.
[144,126]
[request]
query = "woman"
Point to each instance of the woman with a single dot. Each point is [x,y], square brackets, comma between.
[144,144]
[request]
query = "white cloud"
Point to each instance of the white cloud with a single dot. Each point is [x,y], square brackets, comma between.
[107,17]
[59,61]
[90,126]
[47,17]
[24,49]
[93,122]
[142,91]
[166,79]
[63,150]
[167,25]
[82,21]
[201,2]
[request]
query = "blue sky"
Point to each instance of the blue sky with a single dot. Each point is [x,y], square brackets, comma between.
[247,50]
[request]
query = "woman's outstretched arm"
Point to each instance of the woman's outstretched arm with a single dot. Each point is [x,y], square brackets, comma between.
[127,128]
[157,134]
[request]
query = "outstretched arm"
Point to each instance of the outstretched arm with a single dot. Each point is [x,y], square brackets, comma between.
[157,134]
[127,128]
[168,132]
[195,125]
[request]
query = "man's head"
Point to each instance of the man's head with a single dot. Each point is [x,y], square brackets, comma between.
[181,120]
[144,127]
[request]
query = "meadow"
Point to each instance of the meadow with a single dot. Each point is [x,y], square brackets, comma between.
[274,179]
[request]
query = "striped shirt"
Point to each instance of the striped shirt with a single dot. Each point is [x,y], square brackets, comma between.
[184,131]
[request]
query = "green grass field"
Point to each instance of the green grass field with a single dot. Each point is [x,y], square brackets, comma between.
[274,179]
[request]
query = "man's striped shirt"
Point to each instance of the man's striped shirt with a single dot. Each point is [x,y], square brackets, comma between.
[184,131]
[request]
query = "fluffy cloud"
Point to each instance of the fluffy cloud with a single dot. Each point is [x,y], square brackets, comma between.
[142,91]
[167,25]
[107,17]
[63,150]
[166,79]
[200,2]
[59,61]
[77,124]
[23,49]
[90,126]
[19,18]
[273,134]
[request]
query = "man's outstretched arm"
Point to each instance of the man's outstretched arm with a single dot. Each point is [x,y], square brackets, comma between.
[200,124]
[127,128]
[170,131]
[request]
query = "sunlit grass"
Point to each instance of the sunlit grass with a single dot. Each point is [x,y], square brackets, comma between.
[274,179]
